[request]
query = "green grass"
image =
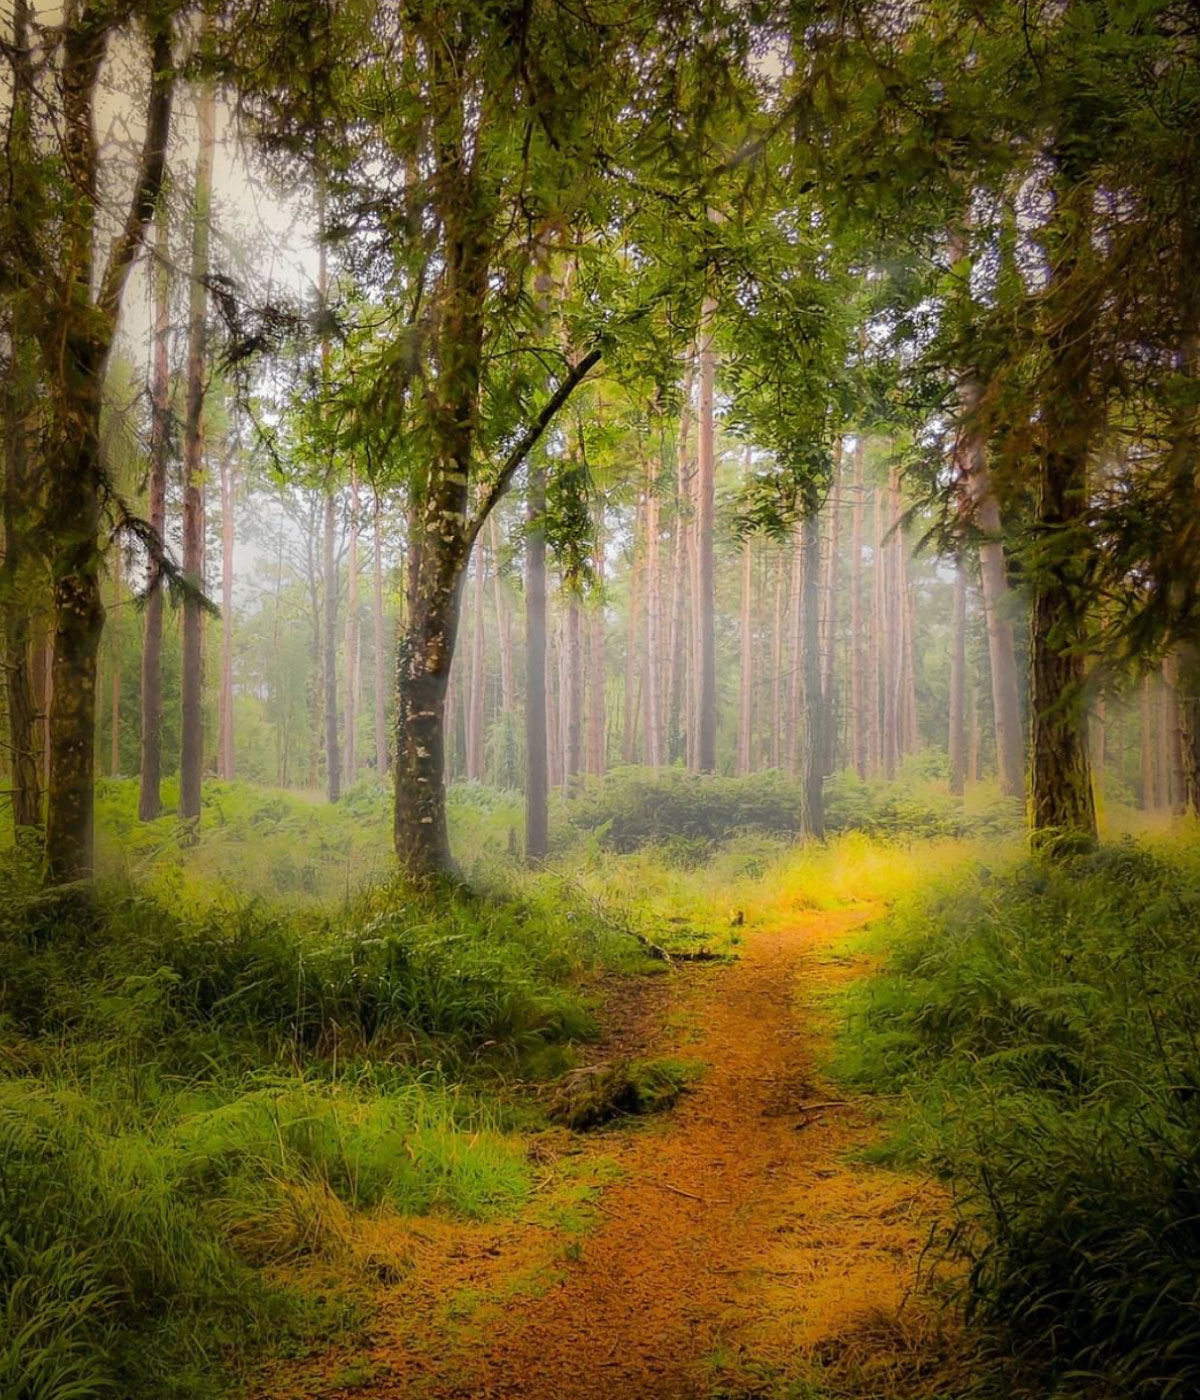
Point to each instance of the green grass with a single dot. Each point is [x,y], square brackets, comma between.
[1041,1026]
[204,1079]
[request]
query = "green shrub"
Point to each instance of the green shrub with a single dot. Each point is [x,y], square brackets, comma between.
[1043,1023]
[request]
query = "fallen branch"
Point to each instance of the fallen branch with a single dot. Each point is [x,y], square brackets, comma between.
[679,1191]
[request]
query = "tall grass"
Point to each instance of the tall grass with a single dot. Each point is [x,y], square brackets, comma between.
[1042,1023]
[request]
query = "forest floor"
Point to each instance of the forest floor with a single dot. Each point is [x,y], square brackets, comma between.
[736,1246]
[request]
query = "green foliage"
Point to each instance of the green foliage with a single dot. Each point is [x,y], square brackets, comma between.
[1042,1023]
[688,814]
[194,1088]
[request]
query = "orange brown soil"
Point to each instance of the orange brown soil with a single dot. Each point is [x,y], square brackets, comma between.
[737,1245]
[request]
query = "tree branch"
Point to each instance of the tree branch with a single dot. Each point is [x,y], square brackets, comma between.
[529,439]
[151,171]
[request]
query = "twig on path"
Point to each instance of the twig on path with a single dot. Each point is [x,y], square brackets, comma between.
[817,1107]
[691,1196]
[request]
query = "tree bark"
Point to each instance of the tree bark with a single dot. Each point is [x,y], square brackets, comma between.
[191,757]
[225,741]
[19,656]
[1063,810]
[114,735]
[830,627]
[150,778]
[629,738]
[381,747]
[475,685]
[706,654]
[858,745]
[75,347]
[597,668]
[812,817]
[653,656]
[351,641]
[957,740]
[746,664]
[537,774]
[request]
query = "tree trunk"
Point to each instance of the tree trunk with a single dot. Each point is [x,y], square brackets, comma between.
[877,655]
[350,645]
[858,729]
[333,753]
[629,738]
[475,685]
[830,628]
[19,656]
[573,699]
[777,631]
[1149,791]
[537,774]
[746,663]
[597,669]
[225,743]
[706,654]
[1189,725]
[1002,656]
[957,741]
[653,658]
[191,756]
[114,736]
[150,780]
[381,747]
[812,817]
[1063,806]
[508,694]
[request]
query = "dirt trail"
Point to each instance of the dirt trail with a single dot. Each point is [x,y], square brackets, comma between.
[735,1249]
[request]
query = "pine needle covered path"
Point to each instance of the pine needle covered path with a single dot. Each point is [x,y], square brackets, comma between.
[736,1246]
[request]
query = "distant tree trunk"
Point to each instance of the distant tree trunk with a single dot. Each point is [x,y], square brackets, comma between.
[191,756]
[1172,692]
[225,745]
[597,669]
[1189,724]
[653,657]
[556,699]
[381,747]
[891,638]
[508,693]
[573,699]
[333,753]
[1099,730]
[830,629]
[975,733]
[114,757]
[877,654]
[475,680]
[351,640]
[777,649]
[957,742]
[1002,655]
[149,788]
[858,729]
[746,664]
[629,744]
[706,653]
[677,721]
[812,819]
[313,571]
[537,778]
[795,659]
[1149,795]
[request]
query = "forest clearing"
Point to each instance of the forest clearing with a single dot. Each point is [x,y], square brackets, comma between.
[599,700]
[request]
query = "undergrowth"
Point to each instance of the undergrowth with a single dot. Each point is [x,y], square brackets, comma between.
[197,1090]
[1041,1024]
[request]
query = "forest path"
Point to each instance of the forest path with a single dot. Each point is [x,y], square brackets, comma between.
[734,1249]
